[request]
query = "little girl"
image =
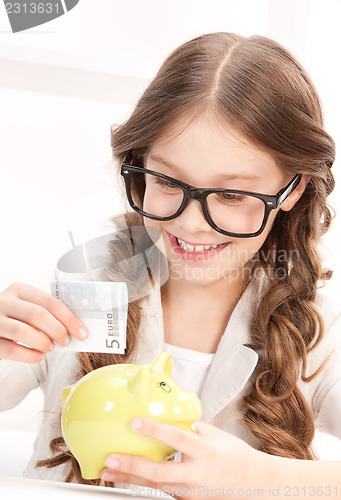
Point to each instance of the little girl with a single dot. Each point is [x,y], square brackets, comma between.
[226,155]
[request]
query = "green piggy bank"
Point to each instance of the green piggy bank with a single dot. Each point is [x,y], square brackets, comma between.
[97,411]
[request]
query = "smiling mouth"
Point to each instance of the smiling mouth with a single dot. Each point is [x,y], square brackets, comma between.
[188,247]
[194,252]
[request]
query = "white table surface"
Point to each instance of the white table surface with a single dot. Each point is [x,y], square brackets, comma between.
[13,488]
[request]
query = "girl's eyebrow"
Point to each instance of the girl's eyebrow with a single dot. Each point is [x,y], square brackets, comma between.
[218,177]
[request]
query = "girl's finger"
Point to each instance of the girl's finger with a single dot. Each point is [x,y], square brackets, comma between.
[160,473]
[21,332]
[207,430]
[12,351]
[123,477]
[39,318]
[184,441]
[55,306]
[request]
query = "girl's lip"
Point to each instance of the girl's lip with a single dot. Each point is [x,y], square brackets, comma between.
[194,256]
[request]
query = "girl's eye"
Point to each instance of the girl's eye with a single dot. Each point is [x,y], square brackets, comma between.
[165,387]
[232,199]
[167,184]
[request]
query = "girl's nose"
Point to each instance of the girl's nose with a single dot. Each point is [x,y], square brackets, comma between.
[192,219]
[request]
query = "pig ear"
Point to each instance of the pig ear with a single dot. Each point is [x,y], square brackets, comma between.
[139,386]
[162,363]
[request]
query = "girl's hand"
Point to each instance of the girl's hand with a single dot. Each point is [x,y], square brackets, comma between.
[32,317]
[211,460]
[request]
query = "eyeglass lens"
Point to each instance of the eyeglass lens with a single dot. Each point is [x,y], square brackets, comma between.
[235,213]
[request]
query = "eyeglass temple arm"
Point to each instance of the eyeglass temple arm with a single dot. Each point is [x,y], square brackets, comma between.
[289,189]
[127,159]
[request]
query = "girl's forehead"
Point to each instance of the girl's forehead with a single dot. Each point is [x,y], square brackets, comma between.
[209,140]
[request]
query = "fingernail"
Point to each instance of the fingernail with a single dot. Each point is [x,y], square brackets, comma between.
[106,476]
[51,348]
[136,423]
[82,333]
[112,463]
[67,341]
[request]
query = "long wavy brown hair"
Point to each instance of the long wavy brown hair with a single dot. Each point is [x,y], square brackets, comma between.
[256,86]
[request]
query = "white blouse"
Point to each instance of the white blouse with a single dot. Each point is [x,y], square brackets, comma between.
[190,368]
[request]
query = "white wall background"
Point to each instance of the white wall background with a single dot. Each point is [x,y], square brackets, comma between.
[64,83]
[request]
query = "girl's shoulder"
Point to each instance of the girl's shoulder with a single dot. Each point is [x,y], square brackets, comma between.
[328,307]
[330,311]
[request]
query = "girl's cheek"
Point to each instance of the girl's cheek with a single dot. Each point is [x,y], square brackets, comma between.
[155,233]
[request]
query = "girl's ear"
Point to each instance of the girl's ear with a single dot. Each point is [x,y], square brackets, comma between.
[296,194]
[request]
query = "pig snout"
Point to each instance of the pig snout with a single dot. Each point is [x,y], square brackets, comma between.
[191,409]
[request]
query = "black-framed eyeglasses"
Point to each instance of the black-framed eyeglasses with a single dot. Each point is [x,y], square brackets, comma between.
[241,214]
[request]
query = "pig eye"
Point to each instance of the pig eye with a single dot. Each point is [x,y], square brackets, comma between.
[165,387]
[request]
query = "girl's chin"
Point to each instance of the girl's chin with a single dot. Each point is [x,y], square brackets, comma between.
[204,276]
[203,272]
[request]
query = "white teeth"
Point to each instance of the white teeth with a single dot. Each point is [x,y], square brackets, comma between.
[194,248]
